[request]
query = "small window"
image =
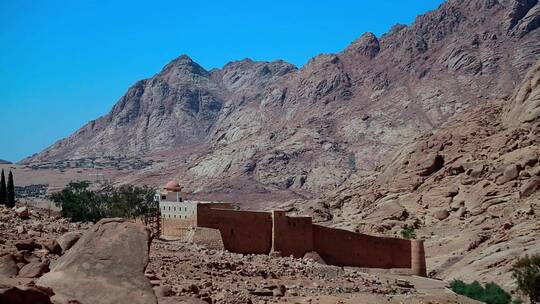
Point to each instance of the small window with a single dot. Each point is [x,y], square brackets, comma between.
[174,208]
[163,197]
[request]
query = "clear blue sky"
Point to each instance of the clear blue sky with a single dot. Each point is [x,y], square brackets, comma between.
[64,63]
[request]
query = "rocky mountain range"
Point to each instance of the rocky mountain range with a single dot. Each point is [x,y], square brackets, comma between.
[270,126]
[469,188]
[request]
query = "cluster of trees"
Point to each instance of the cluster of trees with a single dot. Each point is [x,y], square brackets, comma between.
[491,293]
[526,272]
[80,203]
[7,192]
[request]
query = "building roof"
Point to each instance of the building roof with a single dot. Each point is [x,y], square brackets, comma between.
[173,186]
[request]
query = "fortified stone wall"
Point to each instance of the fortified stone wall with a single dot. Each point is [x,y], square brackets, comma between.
[262,232]
[241,231]
[177,227]
[344,248]
[291,235]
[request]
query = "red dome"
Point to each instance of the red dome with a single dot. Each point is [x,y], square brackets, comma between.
[173,186]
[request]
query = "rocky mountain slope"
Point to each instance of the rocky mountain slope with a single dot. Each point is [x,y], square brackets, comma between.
[470,188]
[268,125]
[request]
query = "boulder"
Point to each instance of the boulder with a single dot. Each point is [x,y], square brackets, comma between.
[34,269]
[433,163]
[28,245]
[279,291]
[52,246]
[529,160]
[461,212]
[163,291]
[24,295]
[511,172]
[476,170]
[457,204]
[20,229]
[67,240]
[312,255]
[441,214]
[531,186]
[8,266]
[22,212]
[105,266]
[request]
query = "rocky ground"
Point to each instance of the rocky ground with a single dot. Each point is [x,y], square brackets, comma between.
[44,255]
[217,276]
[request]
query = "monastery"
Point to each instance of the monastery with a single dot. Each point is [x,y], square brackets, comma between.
[257,232]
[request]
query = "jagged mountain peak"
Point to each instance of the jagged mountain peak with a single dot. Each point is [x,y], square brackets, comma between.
[184,65]
[367,45]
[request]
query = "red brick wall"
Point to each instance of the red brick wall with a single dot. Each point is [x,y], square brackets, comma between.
[291,235]
[344,248]
[242,231]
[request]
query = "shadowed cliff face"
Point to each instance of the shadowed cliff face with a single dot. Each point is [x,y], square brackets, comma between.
[307,130]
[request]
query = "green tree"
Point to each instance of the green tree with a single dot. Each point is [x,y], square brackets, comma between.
[526,272]
[78,203]
[3,190]
[10,191]
[352,161]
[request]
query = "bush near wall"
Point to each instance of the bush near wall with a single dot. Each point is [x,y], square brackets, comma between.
[526,272]
[81,204]
[491,293]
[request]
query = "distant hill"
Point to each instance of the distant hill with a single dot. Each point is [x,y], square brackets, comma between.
[5,162]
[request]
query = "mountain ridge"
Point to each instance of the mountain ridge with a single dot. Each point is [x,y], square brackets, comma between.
[309,129]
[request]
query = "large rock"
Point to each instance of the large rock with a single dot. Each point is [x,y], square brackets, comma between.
[531,186]
[52,246]
[34,269]
[315,257]
[441,214]
[8,266]
[22,212]
[28,245]
[24,295]
[68,239]
[511,172]
[105,266]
